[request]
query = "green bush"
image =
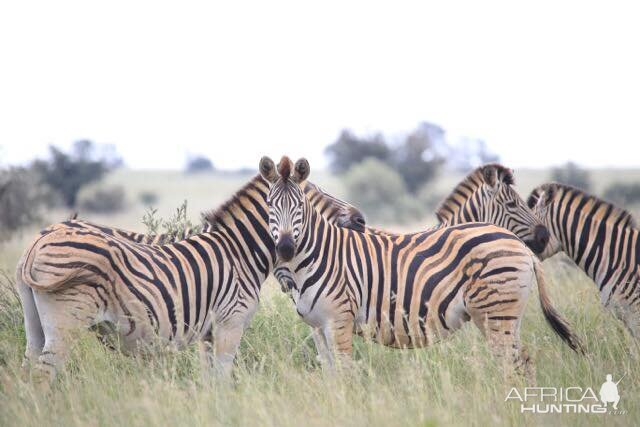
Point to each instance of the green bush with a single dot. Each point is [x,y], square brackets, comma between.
[177,226]
[380,192]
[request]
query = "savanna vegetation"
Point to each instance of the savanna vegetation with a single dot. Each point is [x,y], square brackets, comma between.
[277,379]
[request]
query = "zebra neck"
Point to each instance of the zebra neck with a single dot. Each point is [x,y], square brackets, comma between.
[319,250]
[461,214]
[606,251]
[241,226]
[252,255]
[464,203]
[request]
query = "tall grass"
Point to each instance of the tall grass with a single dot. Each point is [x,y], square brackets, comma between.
[277,380]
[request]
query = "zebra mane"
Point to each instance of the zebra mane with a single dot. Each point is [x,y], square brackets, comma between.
[472,182]
[214,217]
[627,220]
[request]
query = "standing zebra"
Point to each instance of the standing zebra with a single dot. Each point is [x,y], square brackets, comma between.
[601,238]
[77,274]
[402,291]
[487,195]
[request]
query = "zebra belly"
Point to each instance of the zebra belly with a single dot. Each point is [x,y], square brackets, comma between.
[412,331]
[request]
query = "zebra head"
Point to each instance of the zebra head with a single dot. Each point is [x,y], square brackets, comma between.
[540,201]
[487,195]
[287,202]
[333,209]
[506,208]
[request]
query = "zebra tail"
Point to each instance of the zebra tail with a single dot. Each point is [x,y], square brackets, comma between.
[558,323]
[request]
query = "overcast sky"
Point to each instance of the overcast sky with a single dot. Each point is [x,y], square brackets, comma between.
[541,84]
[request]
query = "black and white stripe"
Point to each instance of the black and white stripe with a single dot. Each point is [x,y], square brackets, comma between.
[77,274]
[403,290]
[602,239]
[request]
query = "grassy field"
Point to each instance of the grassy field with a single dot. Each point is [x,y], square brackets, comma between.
[277,380]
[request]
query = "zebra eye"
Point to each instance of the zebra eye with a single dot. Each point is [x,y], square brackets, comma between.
[511,204]
[300,203]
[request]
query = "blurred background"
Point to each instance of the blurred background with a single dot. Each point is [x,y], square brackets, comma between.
[125,111]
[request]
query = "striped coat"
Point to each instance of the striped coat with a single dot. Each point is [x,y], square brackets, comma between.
[77,274]
[487,195]
[402,290]
[602,239]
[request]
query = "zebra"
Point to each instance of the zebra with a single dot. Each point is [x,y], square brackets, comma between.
[403,291]
[76,274]
[602,239]
[487,195]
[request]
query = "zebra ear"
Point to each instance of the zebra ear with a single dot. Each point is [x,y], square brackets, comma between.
[268,169]
[542,195]
[490,175]
[301,170]
[533,199]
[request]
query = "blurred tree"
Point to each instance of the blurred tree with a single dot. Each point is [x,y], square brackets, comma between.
[469,153]
[103,200]
[416,159]
[21,200]
[349,150]
[380,191]
[199,163]
[68,173]
[148,197]
[623,194]
[572,174]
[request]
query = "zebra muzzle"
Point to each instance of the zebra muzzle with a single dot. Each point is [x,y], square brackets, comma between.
[285,247]
[540,239]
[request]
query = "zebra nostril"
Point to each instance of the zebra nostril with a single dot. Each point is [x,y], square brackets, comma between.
[285,247]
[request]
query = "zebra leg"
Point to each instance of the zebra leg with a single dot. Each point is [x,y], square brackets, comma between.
[61,315]
[207,355]
[497,307]
[339,338]
[325,355]
[631,319]
[32,326]
[503,334]
[526,366]
[226,341]
[628,314]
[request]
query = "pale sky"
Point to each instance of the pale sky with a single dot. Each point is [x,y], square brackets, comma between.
[541,83]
